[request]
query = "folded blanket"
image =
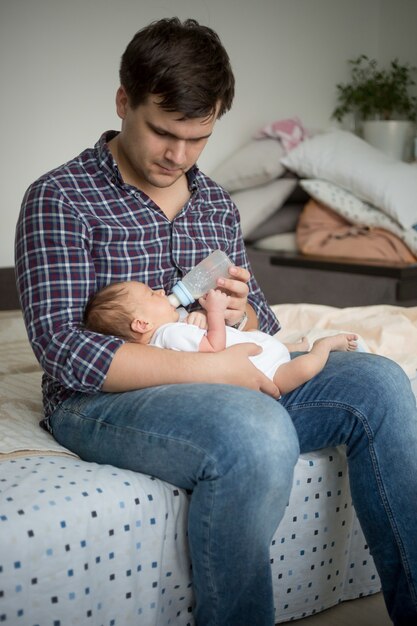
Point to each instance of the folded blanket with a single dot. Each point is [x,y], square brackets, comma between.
[321,231]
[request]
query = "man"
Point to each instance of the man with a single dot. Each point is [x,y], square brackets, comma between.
[136,207]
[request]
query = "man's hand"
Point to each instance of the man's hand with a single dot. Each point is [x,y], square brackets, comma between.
[233,367]
[237,288]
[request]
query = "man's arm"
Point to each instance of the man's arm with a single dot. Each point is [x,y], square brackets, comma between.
[137,366]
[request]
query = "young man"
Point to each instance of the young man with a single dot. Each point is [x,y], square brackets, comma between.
[136,207]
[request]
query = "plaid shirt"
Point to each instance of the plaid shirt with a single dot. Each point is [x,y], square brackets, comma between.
[80,228]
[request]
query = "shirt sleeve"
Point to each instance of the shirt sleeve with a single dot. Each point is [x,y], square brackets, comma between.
[267,320]
[55,276]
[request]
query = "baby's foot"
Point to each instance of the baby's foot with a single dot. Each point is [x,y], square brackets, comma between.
[343,342]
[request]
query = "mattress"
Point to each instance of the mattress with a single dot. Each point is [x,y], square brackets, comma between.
[82,543]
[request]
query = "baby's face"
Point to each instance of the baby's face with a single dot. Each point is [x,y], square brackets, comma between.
[151,305]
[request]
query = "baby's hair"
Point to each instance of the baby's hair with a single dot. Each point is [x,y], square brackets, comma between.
[107,312]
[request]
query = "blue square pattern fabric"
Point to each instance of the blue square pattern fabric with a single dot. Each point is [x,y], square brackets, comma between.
[88,544]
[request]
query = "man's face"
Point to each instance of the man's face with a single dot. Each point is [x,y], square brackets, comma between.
[156,147]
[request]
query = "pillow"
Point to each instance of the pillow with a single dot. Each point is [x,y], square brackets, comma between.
[282,221]
[282,241]
[356,211]
[346,160]
[257,204]
[256,163]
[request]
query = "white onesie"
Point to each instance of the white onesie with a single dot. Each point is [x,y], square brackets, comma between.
[187,338]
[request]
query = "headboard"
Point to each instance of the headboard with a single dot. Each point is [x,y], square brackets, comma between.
[8,293]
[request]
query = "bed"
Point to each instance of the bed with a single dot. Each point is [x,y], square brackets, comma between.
[88,544]
[83,543]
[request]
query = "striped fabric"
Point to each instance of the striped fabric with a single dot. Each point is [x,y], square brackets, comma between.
[80,228]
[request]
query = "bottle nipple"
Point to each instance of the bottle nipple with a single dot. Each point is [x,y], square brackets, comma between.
[173,300]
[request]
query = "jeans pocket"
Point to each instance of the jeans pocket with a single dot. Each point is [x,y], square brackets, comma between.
[74,405]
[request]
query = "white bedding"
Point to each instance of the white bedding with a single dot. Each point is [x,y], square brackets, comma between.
[82,543]
[90,544]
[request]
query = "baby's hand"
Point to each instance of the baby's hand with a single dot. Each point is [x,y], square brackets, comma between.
[197,318]
[215,301]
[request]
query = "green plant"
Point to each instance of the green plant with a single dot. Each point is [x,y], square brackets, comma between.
[377,93]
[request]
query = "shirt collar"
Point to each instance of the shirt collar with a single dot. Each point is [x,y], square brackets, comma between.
[105,158]
[109,165]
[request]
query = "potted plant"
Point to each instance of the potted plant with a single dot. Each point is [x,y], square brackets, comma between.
[382,103]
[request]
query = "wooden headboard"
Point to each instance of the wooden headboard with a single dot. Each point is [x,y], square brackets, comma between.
[8,294]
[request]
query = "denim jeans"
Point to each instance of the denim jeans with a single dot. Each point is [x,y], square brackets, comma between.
[236,450]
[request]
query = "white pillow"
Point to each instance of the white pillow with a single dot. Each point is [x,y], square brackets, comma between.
[256,163]
[344,159]
[257,204]
[356,211]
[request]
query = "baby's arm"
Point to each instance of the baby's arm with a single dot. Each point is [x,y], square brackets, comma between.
[215,304]
[301,369]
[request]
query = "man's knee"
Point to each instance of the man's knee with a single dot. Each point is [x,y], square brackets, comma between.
[256,435]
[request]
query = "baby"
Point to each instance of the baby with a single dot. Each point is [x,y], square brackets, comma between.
[133,311]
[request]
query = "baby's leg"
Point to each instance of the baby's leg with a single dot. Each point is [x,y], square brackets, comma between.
[342,342]
[296,372]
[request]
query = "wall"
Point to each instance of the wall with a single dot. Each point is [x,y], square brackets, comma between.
[59,70]
[397,37]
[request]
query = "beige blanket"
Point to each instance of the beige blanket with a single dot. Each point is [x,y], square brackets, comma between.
[387,330]
[20,394]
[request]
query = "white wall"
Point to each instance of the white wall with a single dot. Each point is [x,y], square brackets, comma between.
[59,71]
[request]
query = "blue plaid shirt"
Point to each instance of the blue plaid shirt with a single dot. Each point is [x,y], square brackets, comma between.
[80,228]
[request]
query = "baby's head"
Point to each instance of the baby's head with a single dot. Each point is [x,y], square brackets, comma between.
[130,310]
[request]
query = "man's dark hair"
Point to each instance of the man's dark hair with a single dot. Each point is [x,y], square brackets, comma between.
[184,63]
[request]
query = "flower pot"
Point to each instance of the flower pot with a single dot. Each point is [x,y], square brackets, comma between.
[394,137]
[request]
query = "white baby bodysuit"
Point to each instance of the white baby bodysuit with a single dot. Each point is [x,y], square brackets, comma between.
[187,338]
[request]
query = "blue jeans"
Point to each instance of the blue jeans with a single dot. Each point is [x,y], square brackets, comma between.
[236,450]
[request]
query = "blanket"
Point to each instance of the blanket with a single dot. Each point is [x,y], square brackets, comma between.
[320,230]
[387,330]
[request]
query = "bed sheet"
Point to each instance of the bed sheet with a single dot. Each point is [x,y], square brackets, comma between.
[91,544]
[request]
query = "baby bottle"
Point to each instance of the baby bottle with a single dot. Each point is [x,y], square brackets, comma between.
[200,279]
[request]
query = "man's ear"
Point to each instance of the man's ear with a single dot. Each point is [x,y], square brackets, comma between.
[141,326]
[122,102]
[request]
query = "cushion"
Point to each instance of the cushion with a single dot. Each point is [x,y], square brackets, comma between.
[256,163]
[356,211]
[257,204]
[284,220]
[279,242]
[323,232]
[346,160]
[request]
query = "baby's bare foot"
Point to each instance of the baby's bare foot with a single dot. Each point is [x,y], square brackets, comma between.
[343,342]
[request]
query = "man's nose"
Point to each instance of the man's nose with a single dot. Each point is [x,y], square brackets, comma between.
[176,152]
